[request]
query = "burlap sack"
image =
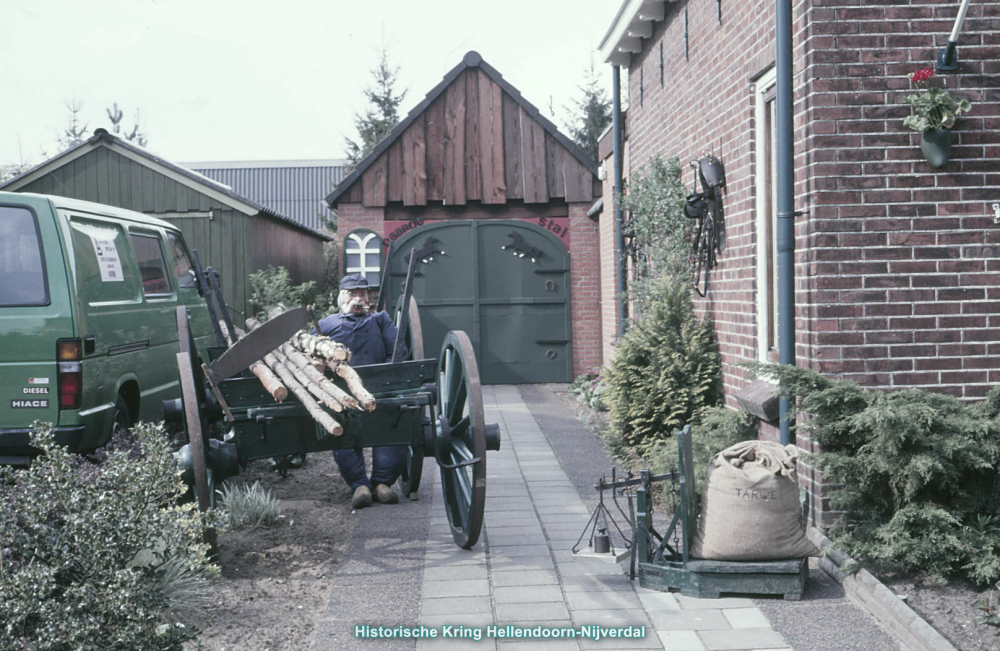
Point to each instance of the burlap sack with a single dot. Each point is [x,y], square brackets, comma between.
[750,508]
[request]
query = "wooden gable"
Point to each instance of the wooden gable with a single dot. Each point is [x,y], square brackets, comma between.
[474,138]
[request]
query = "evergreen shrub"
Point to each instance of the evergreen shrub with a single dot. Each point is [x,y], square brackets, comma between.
[717,429]
[273,286]
[100,553]
[666,370]
[916,473]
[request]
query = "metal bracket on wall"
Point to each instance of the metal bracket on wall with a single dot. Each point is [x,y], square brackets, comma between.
[996,213]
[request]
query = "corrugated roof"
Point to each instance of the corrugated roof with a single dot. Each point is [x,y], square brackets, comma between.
[292,188]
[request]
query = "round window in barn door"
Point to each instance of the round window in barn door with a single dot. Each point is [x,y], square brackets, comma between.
[505,283]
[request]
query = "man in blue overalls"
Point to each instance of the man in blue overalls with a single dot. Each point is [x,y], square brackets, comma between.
[370,338]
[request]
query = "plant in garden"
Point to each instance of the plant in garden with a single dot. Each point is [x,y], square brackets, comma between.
[916,473]
[273,286]
[100,553]
[991,610]
[251,505]
[656,226]
[589,389]
[932,108]
[667,368]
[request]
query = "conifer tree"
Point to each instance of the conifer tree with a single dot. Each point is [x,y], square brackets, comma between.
[382,113]
[592,113]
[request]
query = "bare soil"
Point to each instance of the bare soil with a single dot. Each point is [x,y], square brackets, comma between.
[950,609]
[275,580]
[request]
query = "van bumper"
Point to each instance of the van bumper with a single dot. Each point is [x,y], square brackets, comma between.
[16,442]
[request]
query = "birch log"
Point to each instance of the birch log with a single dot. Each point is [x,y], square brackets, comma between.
[324,419]
[267,378]
[350,376]
[305,364]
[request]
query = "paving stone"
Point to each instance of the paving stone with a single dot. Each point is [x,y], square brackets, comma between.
[452,606]
[452,589]
[523,593]
[654,601]
[689,620]
[744,638]
[532,612]
[681,640]
[614,600]
[533,645]
[456,572]
[540,577]
[746,618]
[694,603]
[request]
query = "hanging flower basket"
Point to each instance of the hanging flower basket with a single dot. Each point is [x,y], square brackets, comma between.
[936,146]
[934,113]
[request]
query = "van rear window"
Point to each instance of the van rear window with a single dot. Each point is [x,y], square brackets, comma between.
[22,277]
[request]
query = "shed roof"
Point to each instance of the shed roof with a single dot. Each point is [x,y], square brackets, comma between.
[182,175]
[443,109]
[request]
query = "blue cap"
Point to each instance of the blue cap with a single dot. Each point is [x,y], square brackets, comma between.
[354,281]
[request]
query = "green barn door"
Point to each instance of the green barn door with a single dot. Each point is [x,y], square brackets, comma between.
[505,283]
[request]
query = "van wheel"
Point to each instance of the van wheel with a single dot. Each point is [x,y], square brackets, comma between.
[122,421]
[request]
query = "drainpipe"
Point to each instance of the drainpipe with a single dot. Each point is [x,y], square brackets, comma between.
[785,200]
[616,127]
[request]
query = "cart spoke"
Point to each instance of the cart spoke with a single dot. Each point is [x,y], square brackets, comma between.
[461,428]
[457,407]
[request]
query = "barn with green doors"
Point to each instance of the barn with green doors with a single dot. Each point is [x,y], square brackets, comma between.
[234,235]
[494,200]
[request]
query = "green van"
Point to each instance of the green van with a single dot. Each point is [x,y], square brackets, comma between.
[88,326]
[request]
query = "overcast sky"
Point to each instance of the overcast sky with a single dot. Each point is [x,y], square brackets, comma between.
[269,80]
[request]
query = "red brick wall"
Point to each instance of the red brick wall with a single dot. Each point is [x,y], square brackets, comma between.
[897,263]
[585,289]
[898,276]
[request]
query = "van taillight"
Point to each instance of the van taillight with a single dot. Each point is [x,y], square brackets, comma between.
[69,352]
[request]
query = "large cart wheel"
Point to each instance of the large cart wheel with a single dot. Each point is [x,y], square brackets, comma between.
[413,461]
[190,376]
[461,439]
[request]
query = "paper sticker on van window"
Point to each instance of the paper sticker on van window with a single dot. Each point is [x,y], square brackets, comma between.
[29,404]
[107,259]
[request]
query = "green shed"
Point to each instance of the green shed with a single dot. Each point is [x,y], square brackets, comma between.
[234,235]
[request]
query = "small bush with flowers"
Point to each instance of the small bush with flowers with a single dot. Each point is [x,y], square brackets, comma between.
[933,108]
[589,389]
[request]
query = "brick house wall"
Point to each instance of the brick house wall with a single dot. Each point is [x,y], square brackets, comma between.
[897,263]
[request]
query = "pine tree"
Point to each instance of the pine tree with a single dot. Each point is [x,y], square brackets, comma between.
[592,114]
[75,132]
[135,135]
[382,114]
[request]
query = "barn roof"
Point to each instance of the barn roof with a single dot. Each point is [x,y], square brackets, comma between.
[567,170]
[184,176]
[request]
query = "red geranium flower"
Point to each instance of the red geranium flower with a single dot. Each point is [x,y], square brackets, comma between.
[921,76]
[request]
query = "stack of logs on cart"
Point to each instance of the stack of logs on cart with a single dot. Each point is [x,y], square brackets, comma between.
[298,367]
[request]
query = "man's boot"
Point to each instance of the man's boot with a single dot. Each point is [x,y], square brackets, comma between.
[362,497]
[385,495]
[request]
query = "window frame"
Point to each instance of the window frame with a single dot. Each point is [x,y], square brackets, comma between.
[766,216]
[357,243]
[134,233]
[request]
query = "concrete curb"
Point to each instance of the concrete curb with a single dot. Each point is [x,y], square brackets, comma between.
[878,600]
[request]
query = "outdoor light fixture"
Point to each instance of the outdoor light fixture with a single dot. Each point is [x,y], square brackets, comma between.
[947,59]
